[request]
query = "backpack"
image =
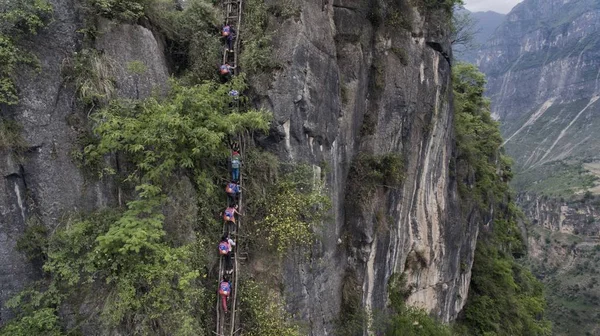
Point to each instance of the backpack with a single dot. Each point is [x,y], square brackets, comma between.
[235,161]
[230,188]
[224,288]
[226,30]
[223,248]
[228,215]
[224,69]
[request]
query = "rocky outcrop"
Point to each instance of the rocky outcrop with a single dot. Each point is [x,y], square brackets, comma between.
[45,184]
[140,67]
[350,86]
[578,217]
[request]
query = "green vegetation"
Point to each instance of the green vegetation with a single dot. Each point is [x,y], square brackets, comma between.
[190,36]
[401,54]
[555,169]
[296,205]
[144,283]
[125,11]
[18,20]
[504,297]
[353,317]
[286,202]
[446,5]
[42,322]
[257,50]
[123,264]
[10,136]
[92,74]
[398,320]
[187,130]
[569,266]
[369,172]
[482,170]
[399,16]
[263,313]
[285,9]
[34,241]
[556,179]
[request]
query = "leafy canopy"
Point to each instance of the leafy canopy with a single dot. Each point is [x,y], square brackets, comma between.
[186,130]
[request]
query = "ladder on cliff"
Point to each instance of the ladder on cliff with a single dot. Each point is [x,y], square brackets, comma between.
[233,17]
[227,322]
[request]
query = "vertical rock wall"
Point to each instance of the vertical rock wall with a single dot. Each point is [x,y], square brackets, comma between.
[345,72]
[44,184]
[351,84]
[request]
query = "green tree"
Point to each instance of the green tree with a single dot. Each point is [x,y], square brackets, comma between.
[121,260]
[504,297]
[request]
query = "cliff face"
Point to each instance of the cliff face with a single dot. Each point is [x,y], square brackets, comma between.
[44,184]
[577,217]
[349,85]
[563,252]
[544,49]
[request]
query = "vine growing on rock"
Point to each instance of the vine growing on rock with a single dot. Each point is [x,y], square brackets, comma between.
[263,313]
[18,20]
[287,202]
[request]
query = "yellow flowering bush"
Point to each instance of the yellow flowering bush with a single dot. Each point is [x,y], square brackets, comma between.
[263,313]
[298,203]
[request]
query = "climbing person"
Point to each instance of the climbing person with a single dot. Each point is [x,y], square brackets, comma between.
[225,71]
[234,102]
[232,189]
[236,162]
[235,146]
[229,34]
[234,94]
[229,216]
[226,250]
[224,291]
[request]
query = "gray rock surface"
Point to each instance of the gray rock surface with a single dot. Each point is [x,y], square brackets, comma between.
[348,86]
[47,184]
[140,65]
[350,72]
[574,217]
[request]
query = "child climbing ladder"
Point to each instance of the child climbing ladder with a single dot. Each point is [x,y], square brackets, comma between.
[228,270]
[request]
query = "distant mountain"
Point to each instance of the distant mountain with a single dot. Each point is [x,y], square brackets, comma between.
[485,25]
[542,65]
[543,69]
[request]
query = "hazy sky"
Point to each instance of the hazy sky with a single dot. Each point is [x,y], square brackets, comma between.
[500,6]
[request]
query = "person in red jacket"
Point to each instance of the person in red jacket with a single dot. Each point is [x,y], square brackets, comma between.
[229,216]
[232,190]
[226,250]
[224,291]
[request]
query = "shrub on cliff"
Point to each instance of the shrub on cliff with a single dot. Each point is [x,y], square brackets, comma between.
[121,263]
[18,20]
[504,297]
